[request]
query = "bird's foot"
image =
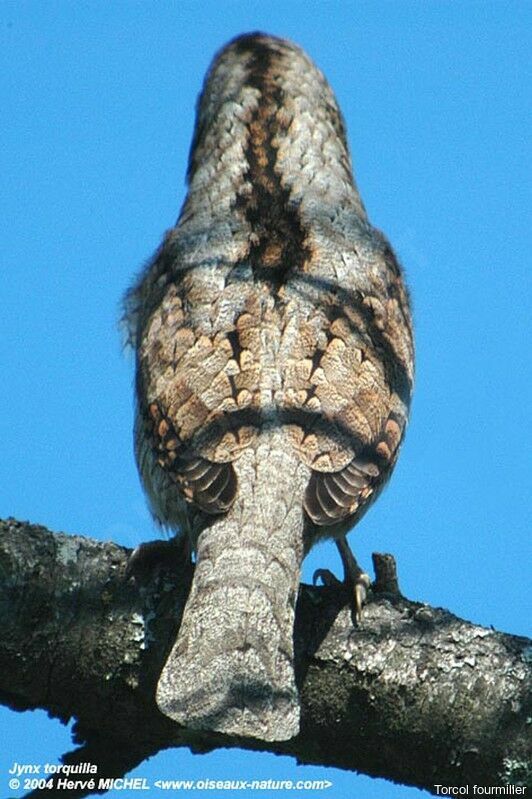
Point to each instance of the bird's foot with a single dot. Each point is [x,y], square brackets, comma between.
[356,582]
[172,555]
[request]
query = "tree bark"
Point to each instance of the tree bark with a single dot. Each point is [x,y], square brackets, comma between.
[413,694]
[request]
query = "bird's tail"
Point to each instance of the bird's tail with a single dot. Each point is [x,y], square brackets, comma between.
[231,668]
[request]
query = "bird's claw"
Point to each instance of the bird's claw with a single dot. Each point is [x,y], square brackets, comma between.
[361,585]
[145,557]
[356,582]
[327,578]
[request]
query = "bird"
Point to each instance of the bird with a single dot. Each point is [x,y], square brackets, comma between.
[274,352]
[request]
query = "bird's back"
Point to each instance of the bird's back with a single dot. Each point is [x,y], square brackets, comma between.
[273,320]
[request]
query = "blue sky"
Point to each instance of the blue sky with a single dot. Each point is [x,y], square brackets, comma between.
[98,103]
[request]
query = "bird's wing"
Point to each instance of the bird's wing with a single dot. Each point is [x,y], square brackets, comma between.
[196,327]
[349,374]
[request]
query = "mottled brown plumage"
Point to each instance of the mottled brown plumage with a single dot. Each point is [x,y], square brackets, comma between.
[274,373]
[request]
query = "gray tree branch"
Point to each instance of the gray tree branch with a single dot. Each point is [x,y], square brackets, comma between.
[414,694]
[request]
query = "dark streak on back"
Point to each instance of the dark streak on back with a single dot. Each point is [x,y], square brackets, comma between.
[277,236]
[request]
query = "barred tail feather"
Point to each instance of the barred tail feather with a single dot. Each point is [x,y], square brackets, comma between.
[231,668]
